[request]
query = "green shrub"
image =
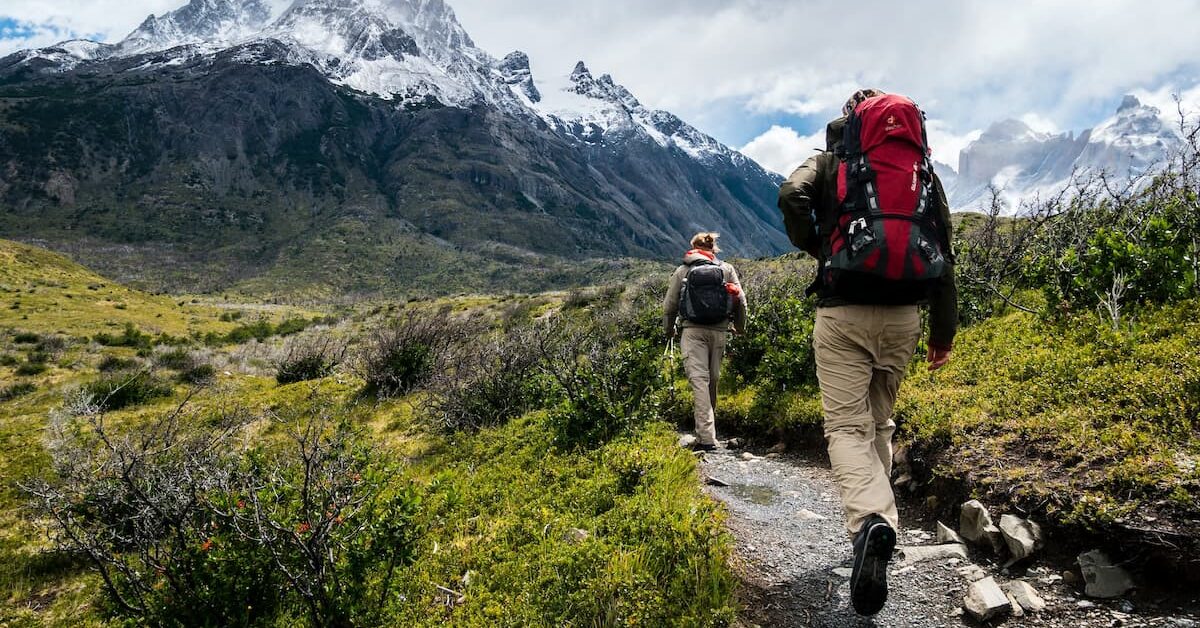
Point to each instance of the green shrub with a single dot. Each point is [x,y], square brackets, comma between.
[178,359]
[403,356]
[493,382]
[12,391]
[121,390]
[198,374]
[8,359]
[111,363]
[309,359]
[607,387]
[184,524]
[29,369]
[130,337]
[26,338]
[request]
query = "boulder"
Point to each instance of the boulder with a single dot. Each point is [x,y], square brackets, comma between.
[1023,537]
[975,525]
[577,535]
[946,535]
[778,448]
[985,600]
[735,443]
[749,457]
[918,553]
[1026,596]
[1102,578]
[688,441]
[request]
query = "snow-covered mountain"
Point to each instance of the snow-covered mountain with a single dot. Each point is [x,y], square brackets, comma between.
[407,50]
[1025,164]
[257,126]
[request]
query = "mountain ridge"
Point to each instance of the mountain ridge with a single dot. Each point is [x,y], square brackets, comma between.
[247,149]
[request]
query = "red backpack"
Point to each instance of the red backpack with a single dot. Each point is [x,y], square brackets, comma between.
[888,224]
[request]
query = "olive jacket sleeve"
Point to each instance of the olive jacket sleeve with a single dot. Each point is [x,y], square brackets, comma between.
[800,200]
[943,298]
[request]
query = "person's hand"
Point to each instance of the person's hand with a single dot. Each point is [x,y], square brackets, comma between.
[938,358]
[670,335]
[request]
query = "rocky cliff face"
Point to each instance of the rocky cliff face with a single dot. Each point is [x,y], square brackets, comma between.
[247,140]
[1023,163]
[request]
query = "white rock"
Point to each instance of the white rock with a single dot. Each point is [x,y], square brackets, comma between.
[1022,536]
[985,600]
[749,457]
[808,515]
[918,553]
[844,572]
[688,441]
[576,535]
[1026,596]
[975,525]
[1102,578]
[1015,606]
[946,535]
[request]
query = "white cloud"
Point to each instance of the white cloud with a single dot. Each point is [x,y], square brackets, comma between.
[1164,99]
[782,149]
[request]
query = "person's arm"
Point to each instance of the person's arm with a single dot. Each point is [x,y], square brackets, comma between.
[671,304]
[798,196]
[740,309]
[943,299]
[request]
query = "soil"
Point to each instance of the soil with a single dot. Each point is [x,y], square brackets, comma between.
[793,557]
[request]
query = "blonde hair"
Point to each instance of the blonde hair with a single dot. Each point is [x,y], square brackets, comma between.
[706,241]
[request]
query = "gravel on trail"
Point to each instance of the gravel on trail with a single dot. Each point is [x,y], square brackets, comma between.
[793,557]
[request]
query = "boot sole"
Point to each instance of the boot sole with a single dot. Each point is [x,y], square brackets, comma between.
[868,586]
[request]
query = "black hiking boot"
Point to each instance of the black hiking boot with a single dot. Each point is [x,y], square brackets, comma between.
[872,552]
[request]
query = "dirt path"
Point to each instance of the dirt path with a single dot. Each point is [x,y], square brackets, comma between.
[793,557]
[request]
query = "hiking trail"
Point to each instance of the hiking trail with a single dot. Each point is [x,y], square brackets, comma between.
[793,558]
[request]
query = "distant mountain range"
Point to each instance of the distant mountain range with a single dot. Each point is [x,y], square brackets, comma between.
[1024,164]
[351,146]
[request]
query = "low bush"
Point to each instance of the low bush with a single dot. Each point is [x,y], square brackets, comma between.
[183,523]
[29,369]
[198,374]
[176,359]
[310,358]
[493,382]
[26,338]
[8,359]
[20,389]
[112,363]
[121,390]
[607,387]
[130,337]
[405,355]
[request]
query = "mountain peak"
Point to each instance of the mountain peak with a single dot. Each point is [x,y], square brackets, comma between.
[580,71]
[1129,102]
[514,71]
[201,21]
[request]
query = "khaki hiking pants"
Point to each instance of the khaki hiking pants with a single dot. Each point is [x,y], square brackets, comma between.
[702,351]
[862,353]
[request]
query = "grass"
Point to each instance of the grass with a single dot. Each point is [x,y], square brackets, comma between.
[617,535]
[1100,426]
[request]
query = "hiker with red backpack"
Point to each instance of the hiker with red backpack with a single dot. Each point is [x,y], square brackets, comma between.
[872,212]
[705,301]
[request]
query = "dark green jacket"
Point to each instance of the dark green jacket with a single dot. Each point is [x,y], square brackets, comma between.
[810,194]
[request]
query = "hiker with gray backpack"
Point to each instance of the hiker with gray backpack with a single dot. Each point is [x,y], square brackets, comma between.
[706,302]
[872,212]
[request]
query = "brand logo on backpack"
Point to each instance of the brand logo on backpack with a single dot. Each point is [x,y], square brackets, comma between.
[704,300]
[886,229]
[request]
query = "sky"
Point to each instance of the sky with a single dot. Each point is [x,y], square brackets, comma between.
[766,75]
